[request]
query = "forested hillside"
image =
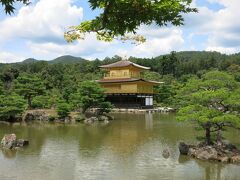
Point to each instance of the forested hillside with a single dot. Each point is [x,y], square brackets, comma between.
[58,80]
[180,63]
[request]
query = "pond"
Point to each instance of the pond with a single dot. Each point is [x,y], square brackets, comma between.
[129,148]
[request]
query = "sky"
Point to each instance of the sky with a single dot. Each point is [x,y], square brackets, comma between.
[36,31]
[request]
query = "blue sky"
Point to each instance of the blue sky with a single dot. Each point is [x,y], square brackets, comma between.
[37,31]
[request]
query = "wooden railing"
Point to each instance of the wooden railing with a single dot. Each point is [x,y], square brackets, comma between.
[135,91]
[127,75]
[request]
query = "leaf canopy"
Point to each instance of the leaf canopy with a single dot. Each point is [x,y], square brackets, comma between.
[8,5]
[118,18]
[11,106]
[214,99]
[29,85]
[91,94]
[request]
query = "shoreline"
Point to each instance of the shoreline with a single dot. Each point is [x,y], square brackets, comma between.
[47,114]
[225,153]
[138,110]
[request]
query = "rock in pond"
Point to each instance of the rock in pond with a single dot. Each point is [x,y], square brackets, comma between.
[204,153]
[183,148]
[224,159]
[22,142]
[105,122]
[103,119]
[235,159]
[225,153]
[90,120]
[166,153]
[10,141]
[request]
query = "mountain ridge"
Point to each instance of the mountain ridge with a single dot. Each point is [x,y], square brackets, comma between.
[69,59]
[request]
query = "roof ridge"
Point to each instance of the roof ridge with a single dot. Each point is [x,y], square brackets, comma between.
[123,63]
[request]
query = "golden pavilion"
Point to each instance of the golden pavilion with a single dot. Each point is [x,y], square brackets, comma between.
[125,87]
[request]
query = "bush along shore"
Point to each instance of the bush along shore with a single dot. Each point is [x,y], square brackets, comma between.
[51,115]
[19,105]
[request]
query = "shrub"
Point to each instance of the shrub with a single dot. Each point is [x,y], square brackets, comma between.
[52,118]
[63,110]
[40,102]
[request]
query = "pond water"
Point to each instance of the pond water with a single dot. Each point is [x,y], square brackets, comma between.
[129,148]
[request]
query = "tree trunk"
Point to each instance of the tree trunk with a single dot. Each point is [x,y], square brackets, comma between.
[8,85]
[30,102]
[208,134]
[219,137]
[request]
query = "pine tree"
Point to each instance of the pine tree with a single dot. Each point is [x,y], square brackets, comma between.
[11,107]
[29,86]
[90,94]
[212,102]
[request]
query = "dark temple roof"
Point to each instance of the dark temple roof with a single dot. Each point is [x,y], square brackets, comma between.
[123,63]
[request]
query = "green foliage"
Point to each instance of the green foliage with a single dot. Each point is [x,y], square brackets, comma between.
[29,86]
[7,76]
[63,109]
[62,77]
[234,69]
[212,102]
[11,107]
[51,118]
[1,87]
[152,76]
[120,17]
[170,65]
[104,107]
[164,94]
[8,5]
[54,97]
[41,102]
[90,94]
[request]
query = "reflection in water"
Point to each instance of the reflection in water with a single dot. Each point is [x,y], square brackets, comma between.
[128,148]
[149,120]
[9,154]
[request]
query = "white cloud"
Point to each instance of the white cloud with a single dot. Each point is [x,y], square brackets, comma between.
[38,32]
[159,41]
[6,57]
[88,47]
[224,50]
[41,27]
[222,27]
[43,22]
